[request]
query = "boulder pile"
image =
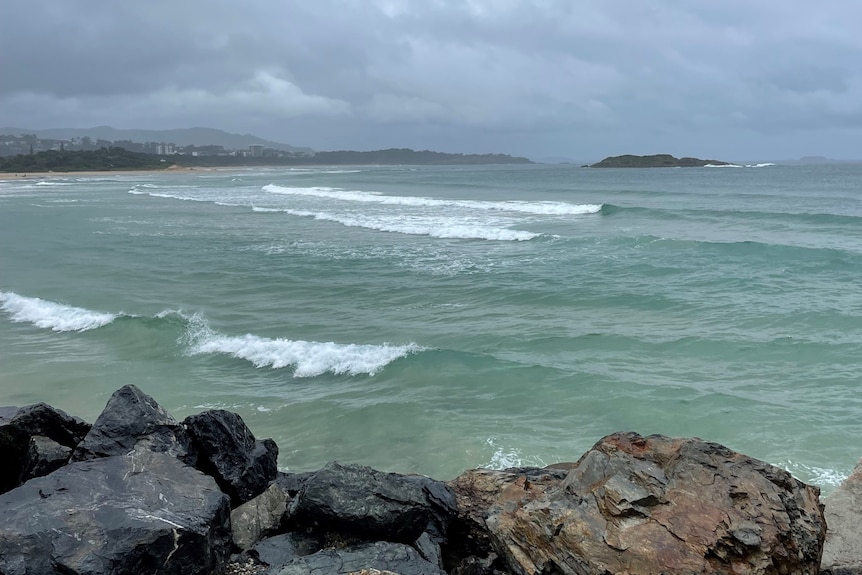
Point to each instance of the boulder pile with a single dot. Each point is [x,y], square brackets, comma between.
[140,492]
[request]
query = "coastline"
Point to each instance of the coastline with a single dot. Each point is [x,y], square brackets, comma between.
[91,173]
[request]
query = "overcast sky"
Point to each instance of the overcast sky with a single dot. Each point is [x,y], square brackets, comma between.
[735,80]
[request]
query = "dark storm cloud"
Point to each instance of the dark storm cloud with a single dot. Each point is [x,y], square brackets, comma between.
[541,77]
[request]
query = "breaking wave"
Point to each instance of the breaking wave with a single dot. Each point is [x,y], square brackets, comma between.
[52,315]
[436,227]
[308,358]
[536,208]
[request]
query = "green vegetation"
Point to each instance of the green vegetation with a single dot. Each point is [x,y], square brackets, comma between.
[655,161]
[105,159]
[115,158]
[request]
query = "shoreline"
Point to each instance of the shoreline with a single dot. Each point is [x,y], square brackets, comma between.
[90,173]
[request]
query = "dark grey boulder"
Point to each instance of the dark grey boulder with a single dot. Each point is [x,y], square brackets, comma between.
[19,424]
[382,556]
[229,452]
[133,420]
[144,512]
[42,419]
[44,455]
[367,504]
[279,550]
[291,483]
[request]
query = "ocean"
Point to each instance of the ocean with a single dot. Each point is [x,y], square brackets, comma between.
[435,319]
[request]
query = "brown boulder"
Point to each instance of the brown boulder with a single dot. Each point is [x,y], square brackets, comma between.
[636,504]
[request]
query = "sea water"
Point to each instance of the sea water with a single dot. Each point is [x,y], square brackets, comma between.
[434,319]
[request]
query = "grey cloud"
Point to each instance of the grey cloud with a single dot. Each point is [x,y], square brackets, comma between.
[541,77]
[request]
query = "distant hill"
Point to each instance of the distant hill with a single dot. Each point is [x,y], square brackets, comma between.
[180,137]
[655,161]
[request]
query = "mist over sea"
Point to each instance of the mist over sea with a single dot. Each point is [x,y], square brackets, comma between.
[433,319]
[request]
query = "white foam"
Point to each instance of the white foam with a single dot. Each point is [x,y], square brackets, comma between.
[51,315]
[820,476]
[723,166]
[437,227]
[308,358]
[505,458]
[538,208]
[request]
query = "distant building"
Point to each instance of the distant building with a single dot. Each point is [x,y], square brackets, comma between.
[255,151]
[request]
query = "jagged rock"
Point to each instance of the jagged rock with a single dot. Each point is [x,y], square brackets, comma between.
[428,549]
[471,550]
[144,512]
[258,517]
[133,420]
[381,556]
[361,502]
[652,504]
[19,424]
[44,455]
[228,451]
[279,550]
[291,483]
[842,551]
[42,419]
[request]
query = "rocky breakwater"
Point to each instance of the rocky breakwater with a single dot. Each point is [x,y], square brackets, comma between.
[140,492]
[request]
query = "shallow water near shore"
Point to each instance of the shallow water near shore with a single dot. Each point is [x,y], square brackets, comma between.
[433,319]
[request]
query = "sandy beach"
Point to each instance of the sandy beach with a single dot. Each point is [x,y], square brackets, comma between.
[42,175]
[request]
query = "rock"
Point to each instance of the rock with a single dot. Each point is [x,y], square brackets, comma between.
[471,550]
[291,483]
[42,419]
[428,549]
[367,504]
[279,550]
[228,451]
[133,420]
[143,512]
[44,456]
[258,517]
[842,551]
[19,424]
[368,557]
[653,504]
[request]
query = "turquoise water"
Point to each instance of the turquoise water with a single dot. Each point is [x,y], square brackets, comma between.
[433,319]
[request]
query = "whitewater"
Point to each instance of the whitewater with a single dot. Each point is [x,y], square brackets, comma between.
[432,319]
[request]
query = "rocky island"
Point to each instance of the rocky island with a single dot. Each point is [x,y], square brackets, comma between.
[655,161]
[138,491]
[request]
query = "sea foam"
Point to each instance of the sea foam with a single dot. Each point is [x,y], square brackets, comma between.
[437,227]
[308,358]
[538,208]
[52,315]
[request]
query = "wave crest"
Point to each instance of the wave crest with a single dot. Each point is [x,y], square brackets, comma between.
[308,358]
[536,208]
[52,315]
